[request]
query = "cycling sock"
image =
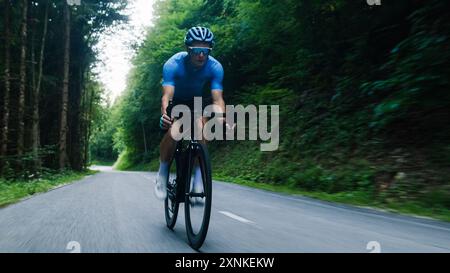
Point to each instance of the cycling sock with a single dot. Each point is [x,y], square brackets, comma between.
[163,169]
[161,181]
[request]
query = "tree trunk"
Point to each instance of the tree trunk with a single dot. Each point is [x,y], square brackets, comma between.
[75,126]
[84,125]
[145,139]
[65,91]
[22,86]
[89,124]
[5,119]
[35,133]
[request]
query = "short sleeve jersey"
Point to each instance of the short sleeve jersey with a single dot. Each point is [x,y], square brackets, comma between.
[188,80]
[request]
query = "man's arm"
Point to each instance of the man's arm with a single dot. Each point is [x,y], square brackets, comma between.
[219,107]
[168,85]
[168,92]
[217,98]
[217,88]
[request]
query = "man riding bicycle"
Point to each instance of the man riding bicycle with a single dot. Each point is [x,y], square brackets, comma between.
[185,75]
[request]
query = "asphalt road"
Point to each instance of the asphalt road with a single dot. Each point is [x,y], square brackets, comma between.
[117,212]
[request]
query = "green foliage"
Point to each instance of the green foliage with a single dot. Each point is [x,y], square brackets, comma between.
[354,83]
[104,120]
[123,162]
[126,162]
[416,82]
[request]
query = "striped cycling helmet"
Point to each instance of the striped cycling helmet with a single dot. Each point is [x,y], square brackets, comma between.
[199,34]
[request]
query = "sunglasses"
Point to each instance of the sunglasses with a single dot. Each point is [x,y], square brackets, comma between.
[199,50]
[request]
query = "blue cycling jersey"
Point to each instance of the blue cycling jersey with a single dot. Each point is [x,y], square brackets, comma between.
[188,80]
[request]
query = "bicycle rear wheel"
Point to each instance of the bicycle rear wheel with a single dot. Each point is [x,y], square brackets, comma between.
[198,199]
[171,203]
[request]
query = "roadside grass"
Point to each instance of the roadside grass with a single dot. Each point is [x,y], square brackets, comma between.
[124,163]
[357,198]
[12,191]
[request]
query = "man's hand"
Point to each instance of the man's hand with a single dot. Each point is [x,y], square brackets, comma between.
[165,122]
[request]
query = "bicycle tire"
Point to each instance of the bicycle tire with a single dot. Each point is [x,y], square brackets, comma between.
[196,240]
[172,191]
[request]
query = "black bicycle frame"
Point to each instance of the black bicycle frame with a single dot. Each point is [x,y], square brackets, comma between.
[183,156]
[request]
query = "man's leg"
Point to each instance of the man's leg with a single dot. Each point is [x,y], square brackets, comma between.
[197,185]
[166,149]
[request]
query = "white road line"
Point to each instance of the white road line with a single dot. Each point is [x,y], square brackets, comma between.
[236,217]
[346,208]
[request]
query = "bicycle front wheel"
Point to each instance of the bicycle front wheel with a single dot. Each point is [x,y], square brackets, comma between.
[198,196]
[171,203]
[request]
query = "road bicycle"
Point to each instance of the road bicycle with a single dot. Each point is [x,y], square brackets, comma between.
[197,202]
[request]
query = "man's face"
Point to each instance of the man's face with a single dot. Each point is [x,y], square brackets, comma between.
[198,60]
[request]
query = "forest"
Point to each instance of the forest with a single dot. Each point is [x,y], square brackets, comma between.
[49,95]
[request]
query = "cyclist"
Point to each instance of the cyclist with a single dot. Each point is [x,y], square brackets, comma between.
[185,75]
